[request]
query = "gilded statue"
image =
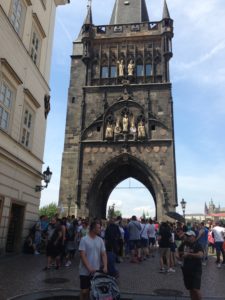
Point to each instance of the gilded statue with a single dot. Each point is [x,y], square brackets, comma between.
[125,123]
[132,126]
[117,128]
[109,131]
[130,68]
[121,67]
[141,129]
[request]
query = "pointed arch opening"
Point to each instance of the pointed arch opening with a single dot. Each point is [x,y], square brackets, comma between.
[116,171]
[131,197]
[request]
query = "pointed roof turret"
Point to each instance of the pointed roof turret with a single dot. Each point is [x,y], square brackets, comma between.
[88,19]
[166,14]
[129,11]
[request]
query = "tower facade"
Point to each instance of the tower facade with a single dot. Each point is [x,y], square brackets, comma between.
[120,111]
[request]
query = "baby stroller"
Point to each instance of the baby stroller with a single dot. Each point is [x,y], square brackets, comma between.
[104,287]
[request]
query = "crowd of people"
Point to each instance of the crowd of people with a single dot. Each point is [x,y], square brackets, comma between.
[103,243]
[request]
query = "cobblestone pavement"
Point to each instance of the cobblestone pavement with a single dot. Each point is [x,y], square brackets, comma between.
[22,274]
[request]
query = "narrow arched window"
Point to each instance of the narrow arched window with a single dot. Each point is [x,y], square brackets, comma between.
[105,72]
[148,70]
[113,69]
[139,68]
[104,69]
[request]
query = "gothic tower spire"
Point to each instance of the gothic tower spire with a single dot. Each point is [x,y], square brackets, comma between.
[130,11]
[88,19]
[166,14]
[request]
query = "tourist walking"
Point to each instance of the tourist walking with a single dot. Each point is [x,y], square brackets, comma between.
[164,240]
[219,235]
[134,228]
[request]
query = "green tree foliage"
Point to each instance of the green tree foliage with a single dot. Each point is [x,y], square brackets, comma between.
[112,213]
[48,210]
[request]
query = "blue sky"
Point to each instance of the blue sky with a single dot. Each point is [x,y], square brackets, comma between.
[198,77]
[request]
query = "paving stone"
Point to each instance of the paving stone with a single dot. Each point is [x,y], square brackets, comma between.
[23,274]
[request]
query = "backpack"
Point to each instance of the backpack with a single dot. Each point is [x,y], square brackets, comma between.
[104,287]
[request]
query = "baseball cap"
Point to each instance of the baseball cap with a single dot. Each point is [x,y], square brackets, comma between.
[190,233]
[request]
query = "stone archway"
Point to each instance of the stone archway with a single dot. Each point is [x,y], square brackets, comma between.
[117,170]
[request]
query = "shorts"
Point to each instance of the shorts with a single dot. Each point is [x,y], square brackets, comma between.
[219,246]
[164,252]
[144,242]
[85,282]
[173,247]
[192,280]
[151,241]
[134,244]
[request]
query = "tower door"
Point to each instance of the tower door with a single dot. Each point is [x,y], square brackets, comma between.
[13,242]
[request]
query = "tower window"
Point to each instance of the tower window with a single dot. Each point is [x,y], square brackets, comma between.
[140,70]
[113,71]
[105,72]
[148,70]
[153,127]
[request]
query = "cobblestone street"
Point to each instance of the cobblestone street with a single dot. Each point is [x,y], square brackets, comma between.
[23,274]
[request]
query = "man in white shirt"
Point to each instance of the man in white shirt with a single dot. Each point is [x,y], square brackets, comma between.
[93,255]
[219,235]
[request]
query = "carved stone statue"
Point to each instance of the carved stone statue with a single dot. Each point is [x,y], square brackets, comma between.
[132,126]
[109,131]
[117,128]
[125,123]
[121,68]
[130,68]
[141,129]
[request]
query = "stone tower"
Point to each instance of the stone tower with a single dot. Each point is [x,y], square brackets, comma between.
[120,111]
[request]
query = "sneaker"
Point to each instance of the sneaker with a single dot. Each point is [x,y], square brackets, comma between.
[36,253]
[162,270]
[204,263]
[171,270]
[68,264]
[219,266]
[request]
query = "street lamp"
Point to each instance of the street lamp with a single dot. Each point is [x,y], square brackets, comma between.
[183,205]
[69,200]
[46,176]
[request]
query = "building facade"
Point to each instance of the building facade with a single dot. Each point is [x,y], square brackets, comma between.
[26,35]
[120,111]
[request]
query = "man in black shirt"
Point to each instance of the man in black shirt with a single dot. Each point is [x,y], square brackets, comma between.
[192,254]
